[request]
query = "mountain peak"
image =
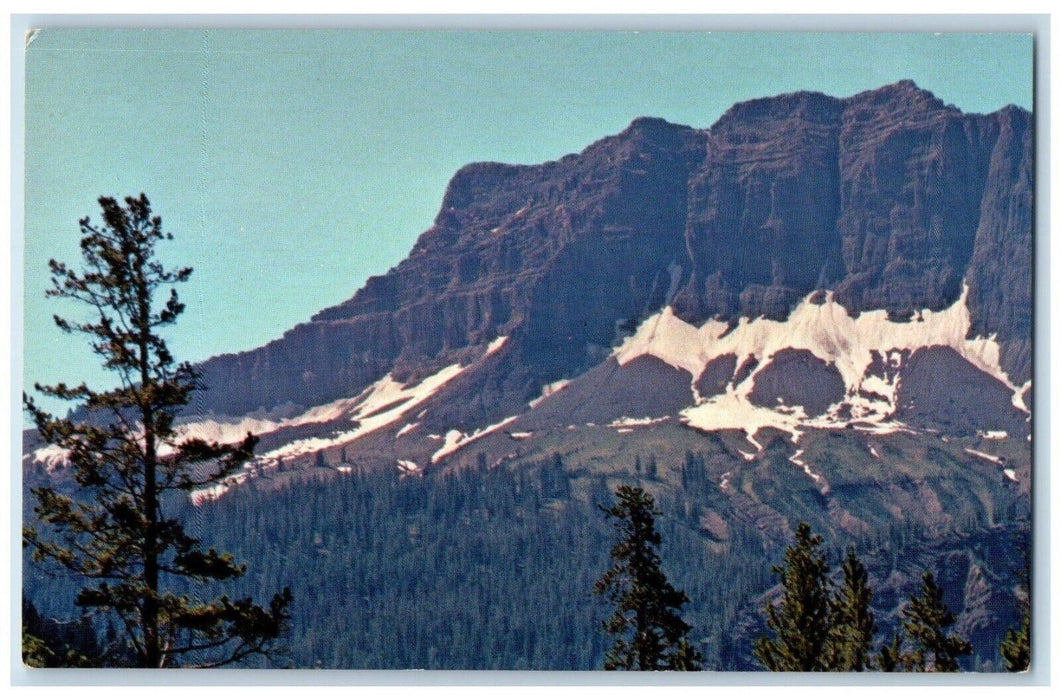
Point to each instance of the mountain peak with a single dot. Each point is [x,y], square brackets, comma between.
[651,125]
[902,96]
[803,105]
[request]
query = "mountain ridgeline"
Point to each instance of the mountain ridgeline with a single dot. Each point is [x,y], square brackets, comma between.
[890,199]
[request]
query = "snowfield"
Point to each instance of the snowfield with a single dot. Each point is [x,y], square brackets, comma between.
[378,406]
[548,390]
[51,456]
[831,334]
[383,403]
[455,439]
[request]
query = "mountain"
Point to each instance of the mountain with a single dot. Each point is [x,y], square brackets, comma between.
[817,309]
[867,259]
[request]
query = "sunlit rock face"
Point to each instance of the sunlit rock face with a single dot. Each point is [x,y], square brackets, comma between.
[889,198]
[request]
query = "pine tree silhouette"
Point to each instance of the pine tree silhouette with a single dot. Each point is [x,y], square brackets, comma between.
[800,622]
[649,632]
[114,530]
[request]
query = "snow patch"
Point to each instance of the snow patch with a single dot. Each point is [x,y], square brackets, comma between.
[1010,474]
[992,434]
[520,435]
[873,451]
[495,345]
[1018,397]
[798,461]
[408,465]
[451,444]
[378,406]
[228,430]
[51,456]
[455,439]
[733,411]
[209,493]
[882,428]
[215,491]
[406,429]
[983,455]
[625,422]
[548,390]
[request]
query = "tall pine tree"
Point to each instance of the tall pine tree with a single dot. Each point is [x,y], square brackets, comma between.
[925,621]
[852,622]
[800,622]
[649,633]
[114,529]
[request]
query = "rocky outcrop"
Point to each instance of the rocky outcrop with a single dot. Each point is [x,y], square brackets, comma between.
[645,388]
[889,197]
[941,391]
[798,378]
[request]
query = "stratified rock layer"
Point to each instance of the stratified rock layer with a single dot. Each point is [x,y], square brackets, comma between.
[889,197]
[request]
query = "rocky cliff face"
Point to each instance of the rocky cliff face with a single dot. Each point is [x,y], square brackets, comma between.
[890,198]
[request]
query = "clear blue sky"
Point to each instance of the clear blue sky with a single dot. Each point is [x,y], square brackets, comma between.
[291,165]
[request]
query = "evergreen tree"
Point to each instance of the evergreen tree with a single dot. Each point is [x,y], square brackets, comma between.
[892,658]
[1016,645]
[925,620]
[114,530]
[800,622]
[853,625]
[649,632]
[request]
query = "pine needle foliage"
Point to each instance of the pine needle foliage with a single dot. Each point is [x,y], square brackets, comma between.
[113,529]
[852,621]
[925,621]
[1016,647]
[800,622]
[892,658]
[649,633]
